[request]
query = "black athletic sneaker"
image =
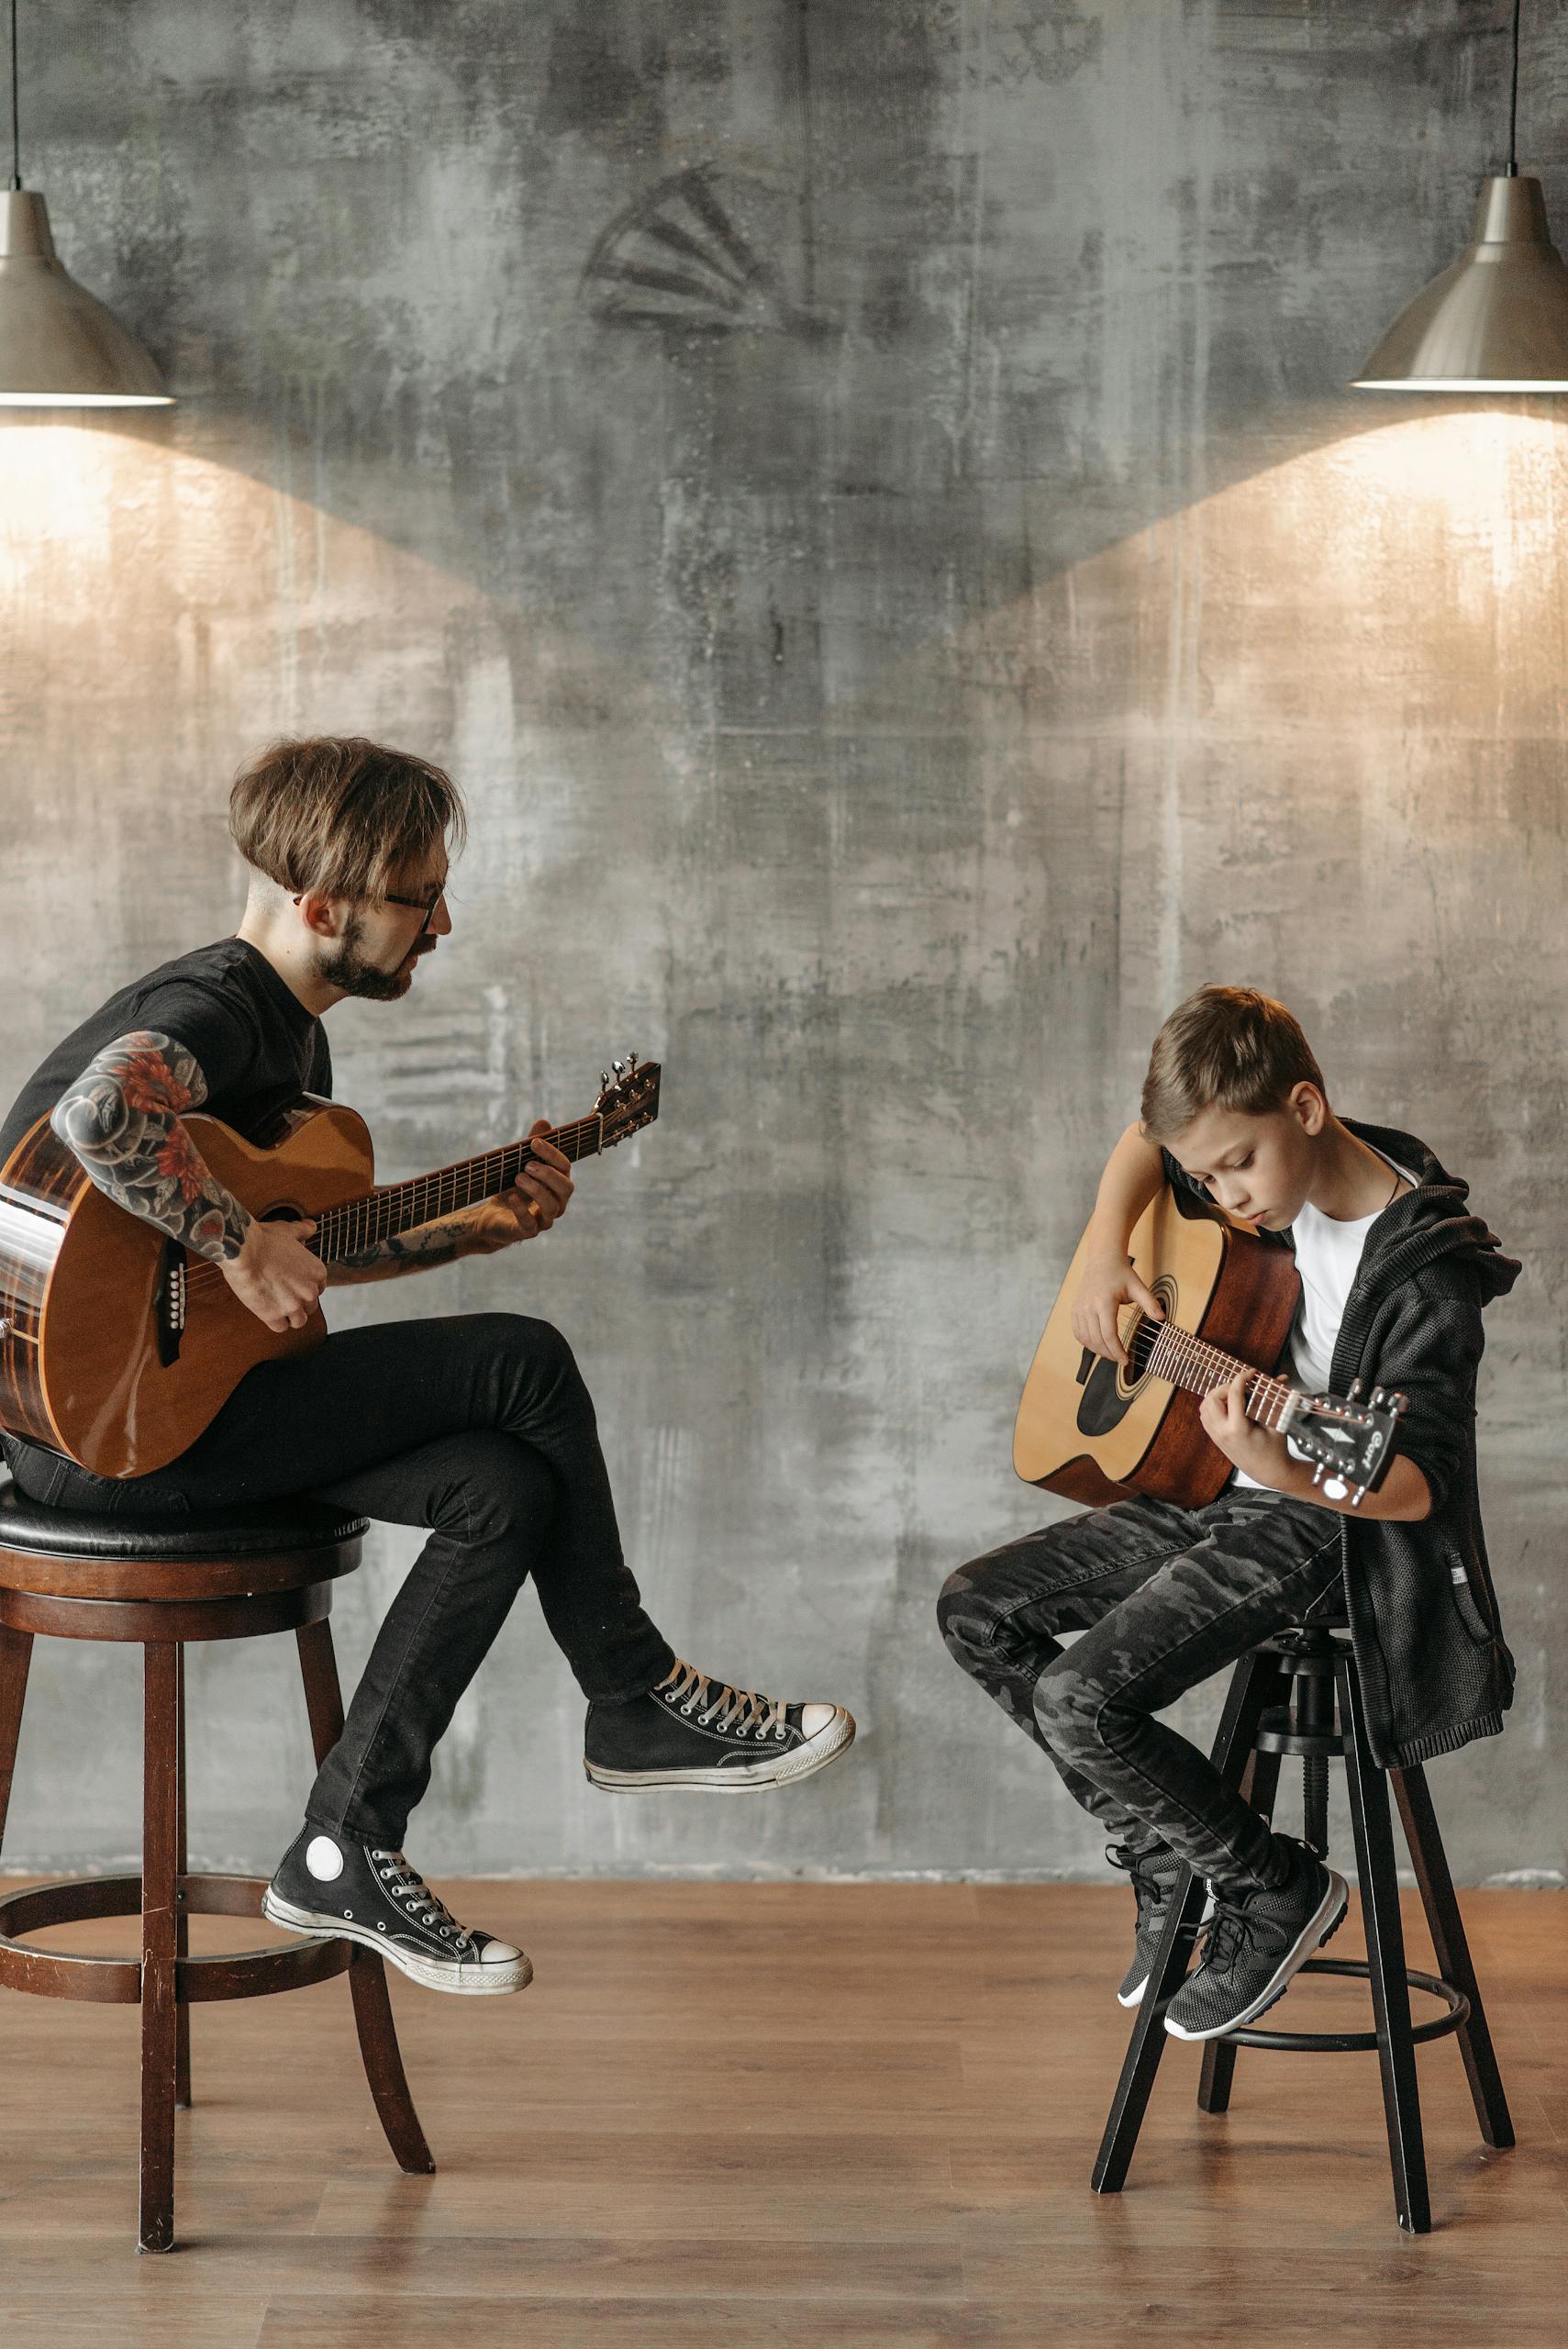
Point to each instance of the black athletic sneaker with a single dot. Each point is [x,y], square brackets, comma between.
[327,1887]
[1154,1870]
[692,1731]
[1256,1941]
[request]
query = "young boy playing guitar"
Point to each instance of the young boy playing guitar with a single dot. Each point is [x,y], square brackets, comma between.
[478,1427]
[1394,1274]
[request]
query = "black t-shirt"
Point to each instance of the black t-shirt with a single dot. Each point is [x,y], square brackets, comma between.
[255,1043]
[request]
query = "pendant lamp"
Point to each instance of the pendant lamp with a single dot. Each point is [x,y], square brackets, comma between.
[1497,321]
[59,346]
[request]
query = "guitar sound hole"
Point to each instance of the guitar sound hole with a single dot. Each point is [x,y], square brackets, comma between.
[1109,1393]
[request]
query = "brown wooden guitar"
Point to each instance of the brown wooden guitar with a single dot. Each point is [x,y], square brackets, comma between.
[119,1346]
[1096,1432]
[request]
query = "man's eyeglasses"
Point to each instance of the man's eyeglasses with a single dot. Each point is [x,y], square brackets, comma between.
[426,906]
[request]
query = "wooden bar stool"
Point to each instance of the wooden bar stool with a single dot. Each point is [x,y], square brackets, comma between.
[227,1575]
[1300,1694]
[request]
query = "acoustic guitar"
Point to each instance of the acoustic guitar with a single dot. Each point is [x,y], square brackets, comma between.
[1096,1431]
[119,1346]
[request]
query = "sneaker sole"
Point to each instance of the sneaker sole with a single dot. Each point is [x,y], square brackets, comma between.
[492,1981]
[1319,1929]
[741,1779]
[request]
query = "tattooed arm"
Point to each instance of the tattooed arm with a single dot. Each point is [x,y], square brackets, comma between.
[536,1200]
[408,1252]
[122,1120]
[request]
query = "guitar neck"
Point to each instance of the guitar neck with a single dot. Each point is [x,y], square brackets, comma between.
[382,1213]
[1183,1360]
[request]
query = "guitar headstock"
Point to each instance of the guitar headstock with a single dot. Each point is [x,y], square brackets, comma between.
[628,1100]
[1351,1441]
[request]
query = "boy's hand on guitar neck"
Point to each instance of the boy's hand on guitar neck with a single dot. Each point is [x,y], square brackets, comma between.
[1107,1285]
[1255,1450]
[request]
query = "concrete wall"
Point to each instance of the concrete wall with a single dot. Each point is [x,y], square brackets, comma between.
[889,668]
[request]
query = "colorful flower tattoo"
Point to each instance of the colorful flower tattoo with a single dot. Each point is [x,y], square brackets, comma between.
[121,1118]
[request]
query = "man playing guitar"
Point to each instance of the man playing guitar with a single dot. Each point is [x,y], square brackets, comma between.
[477,1427]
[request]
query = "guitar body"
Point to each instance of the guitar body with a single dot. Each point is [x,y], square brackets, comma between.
[1087,1431]
[91,1363]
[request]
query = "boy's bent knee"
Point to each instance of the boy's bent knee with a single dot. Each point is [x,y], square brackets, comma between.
[1069,1710]
[964,1621]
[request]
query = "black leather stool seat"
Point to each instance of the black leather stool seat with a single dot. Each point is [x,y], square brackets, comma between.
[253,1530]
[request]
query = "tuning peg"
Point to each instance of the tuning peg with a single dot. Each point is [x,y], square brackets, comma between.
[620,1067]
[631,1062]
[1318,1473]
[1378,1398]
[605,1079]
[1355,1390]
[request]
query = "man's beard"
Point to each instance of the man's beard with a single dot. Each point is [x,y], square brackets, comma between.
[344,965]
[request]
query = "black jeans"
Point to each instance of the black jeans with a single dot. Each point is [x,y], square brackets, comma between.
[1163,1596]
[479,1427]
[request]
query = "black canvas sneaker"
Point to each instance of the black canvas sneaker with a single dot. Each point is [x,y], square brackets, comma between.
[692,1731]
[326,1887]
[1155,1872]
[1256,1941]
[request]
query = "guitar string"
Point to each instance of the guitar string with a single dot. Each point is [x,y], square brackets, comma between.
[355,1222]
[1186,1351]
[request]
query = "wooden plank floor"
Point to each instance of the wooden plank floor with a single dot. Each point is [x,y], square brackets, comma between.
[774,2114]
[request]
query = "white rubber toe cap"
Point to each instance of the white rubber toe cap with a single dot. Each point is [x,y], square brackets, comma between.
[814,1718]
[499,1953]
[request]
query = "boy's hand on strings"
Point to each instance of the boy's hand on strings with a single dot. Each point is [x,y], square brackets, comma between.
[1108,1284]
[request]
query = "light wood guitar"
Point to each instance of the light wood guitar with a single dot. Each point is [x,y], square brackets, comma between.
[119,1346]
[1096,1432]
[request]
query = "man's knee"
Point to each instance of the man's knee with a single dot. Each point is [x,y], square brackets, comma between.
[533,1345]
[491,1486]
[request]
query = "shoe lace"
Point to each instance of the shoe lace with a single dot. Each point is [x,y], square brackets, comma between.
[1149,1869]
[416,1896]
[1234,1929]
[740,1710]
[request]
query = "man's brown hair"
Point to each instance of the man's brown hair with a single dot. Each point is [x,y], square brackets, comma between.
[1225,1047]
[339,815]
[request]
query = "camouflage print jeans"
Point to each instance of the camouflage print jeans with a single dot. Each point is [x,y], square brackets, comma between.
[1162,1597]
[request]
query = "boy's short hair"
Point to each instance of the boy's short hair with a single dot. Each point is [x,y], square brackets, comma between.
[1225,1047]
[340,815]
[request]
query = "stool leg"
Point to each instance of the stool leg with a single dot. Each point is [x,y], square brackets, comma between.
[1430,1863]
[159,1943]
[16,1654]
[182,1867]
[1259,1787]
[1385,1956]
[367,1975]
[1252,1685]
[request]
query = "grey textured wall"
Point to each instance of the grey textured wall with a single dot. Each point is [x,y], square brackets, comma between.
[889,663]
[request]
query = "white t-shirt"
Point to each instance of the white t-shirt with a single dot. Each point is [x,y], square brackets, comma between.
[1328,1257]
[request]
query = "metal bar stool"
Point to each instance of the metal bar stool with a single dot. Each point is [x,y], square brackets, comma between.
[1300,1694]
[229,1574]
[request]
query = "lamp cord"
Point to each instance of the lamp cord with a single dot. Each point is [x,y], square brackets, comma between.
[1512,103]
[15,109]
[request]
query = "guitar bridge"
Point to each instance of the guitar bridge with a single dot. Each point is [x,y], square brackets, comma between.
[169,1303]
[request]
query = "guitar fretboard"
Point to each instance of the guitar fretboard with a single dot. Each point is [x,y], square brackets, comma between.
[425,1198]
[1171,1352]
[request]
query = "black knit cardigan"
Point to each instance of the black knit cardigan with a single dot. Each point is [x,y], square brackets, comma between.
[1434,1667]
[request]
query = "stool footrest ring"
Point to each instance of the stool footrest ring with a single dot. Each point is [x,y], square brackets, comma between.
[116,1981]
[1456,2009]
